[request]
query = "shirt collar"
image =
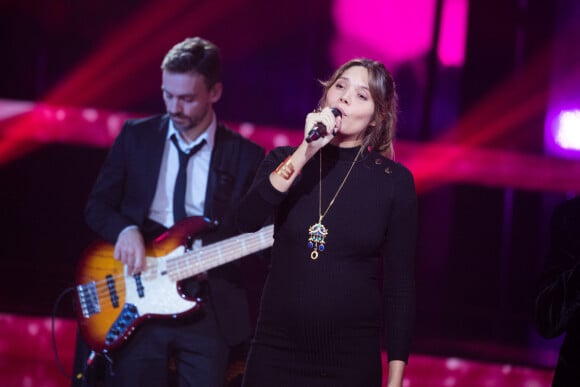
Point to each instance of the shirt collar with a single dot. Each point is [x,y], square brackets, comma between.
[208,135]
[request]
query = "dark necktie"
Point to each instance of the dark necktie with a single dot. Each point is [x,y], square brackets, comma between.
[181,180]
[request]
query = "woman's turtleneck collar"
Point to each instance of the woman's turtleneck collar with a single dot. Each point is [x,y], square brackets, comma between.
[334,152]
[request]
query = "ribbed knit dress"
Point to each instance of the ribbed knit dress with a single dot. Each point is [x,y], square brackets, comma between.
[321,321]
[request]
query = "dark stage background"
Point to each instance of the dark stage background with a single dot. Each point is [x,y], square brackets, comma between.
[482,242]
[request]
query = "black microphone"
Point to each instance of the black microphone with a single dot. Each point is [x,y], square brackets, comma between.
[319,129]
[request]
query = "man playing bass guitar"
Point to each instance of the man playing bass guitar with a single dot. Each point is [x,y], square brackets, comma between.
[160,171]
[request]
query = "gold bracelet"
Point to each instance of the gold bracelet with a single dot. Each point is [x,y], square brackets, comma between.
[285,169]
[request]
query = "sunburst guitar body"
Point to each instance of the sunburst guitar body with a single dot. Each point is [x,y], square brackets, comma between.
[111,304]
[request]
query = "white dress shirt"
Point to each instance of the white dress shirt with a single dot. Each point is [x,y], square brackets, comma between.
[161,210]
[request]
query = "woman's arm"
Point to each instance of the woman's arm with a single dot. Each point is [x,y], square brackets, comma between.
[278,172]
[285,173]
[399,266]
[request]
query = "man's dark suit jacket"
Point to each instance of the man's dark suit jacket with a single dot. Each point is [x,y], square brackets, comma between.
[557,307]
[125,187]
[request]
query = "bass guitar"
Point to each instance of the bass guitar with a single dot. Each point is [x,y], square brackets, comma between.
[110,303]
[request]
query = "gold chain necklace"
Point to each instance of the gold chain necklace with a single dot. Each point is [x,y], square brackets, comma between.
[317,232]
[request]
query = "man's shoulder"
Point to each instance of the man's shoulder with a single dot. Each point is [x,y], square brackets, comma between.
[154,121]
[138,130]
[226,135]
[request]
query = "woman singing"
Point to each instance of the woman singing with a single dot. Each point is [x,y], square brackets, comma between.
[342,270]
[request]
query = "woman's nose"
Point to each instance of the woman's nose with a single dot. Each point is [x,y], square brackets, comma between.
[344,98]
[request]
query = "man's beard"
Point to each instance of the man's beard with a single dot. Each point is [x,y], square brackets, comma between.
[187,122]
[184,122]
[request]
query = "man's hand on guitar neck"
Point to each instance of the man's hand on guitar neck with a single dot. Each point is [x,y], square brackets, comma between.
[130,250]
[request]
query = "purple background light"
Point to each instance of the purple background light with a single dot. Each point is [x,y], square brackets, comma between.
[568,131]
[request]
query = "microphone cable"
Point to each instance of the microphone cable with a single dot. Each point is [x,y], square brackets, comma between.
[53,334]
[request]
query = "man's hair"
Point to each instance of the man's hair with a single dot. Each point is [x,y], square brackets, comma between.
[195,55]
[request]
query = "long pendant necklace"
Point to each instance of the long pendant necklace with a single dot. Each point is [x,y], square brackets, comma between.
[318,232]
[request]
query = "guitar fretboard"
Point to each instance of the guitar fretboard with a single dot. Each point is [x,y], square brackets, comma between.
[216,254]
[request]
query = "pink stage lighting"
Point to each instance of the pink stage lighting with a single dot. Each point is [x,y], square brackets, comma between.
[397,32]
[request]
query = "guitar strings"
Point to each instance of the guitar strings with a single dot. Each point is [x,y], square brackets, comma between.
[198,262]
[173,267]
[193,259]
[188,267]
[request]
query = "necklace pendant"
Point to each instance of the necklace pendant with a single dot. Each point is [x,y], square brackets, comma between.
[317,232]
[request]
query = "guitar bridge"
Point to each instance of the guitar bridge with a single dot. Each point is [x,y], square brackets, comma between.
[88,299]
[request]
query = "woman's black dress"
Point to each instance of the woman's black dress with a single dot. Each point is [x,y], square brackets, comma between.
[320,320]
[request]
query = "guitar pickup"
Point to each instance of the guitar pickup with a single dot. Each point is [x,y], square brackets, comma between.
[139,285]
[112,291]
[88,299]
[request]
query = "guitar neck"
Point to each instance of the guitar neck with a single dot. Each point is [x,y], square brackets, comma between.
[219,253]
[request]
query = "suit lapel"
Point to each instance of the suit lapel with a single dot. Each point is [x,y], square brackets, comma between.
[220,180]
[152,155]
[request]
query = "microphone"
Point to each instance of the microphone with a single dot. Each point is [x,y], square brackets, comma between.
[319,129]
